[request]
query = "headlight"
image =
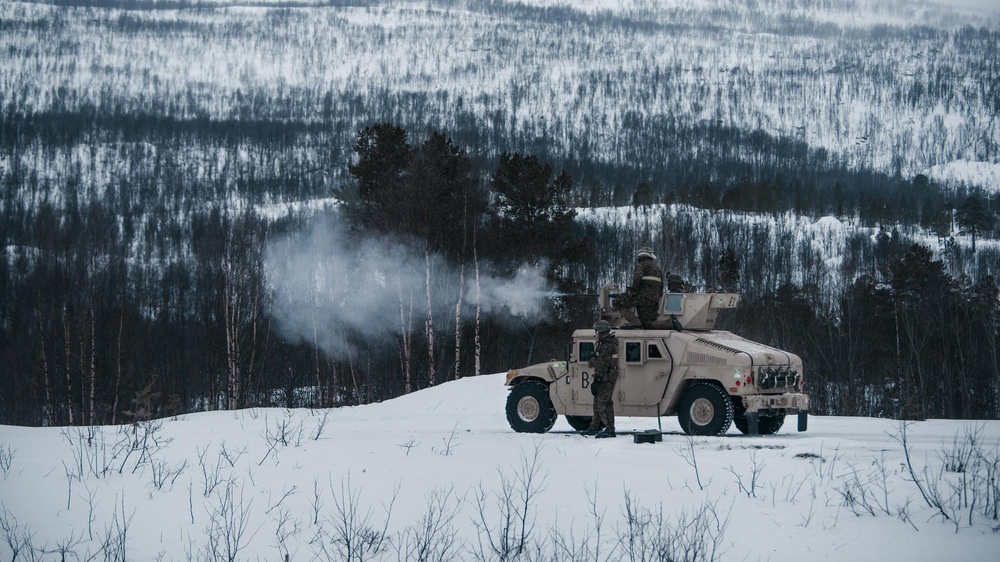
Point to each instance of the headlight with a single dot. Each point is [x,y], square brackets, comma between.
[776,377]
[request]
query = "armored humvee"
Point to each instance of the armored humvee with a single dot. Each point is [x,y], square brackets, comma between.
[680,365]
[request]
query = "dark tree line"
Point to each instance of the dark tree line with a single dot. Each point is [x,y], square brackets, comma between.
[147,295]
[111,301]
[916,345]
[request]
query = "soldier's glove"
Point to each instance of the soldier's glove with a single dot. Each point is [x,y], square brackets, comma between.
[593,388]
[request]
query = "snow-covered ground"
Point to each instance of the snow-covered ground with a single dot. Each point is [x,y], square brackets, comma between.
[431,467]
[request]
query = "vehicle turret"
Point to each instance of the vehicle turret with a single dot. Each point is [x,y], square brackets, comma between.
[677,311]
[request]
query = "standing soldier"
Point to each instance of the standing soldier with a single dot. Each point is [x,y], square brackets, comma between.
[604,361]
[645,291]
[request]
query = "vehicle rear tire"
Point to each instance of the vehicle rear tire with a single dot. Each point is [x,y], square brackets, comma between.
[579,423]
[529,408]
[705,409]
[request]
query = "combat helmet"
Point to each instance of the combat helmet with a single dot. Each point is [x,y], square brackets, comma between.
[602,326]
[645,252]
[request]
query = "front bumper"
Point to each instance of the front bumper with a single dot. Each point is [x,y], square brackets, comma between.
[791,403]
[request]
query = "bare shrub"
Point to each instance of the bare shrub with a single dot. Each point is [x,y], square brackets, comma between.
[91,499]
[18,538]
[928,488]
[691,536]
[756,467]
[286,529]
[505,520]
[962,451]
[211,474]
[231,456]
[64,549]
[228,520]
[450,443]
[6,459]
[967,482]
[93,454]
[321,425]
[114,541]
[409,445]
[281,433]
[433,538]
[145,441]
[855,494]
[346,532]
[688,454]
[990,483]
[164,473]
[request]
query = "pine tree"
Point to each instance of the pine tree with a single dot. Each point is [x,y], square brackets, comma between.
[729,270]
[973,218]
[374,201]
[533,220]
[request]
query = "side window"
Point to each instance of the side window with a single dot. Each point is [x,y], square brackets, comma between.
[674,303]
[633,352]
[654,352]
[586,350]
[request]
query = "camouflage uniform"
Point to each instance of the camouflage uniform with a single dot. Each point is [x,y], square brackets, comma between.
[644,293]
[604,361]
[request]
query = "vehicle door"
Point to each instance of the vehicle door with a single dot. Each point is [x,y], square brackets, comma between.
[577,382]
[645,371]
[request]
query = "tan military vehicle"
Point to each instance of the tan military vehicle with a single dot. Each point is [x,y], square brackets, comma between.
[680,366]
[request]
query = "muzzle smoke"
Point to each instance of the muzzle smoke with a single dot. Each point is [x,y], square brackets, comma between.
[332,290]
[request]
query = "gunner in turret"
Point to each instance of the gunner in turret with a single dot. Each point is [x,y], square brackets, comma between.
[645,291]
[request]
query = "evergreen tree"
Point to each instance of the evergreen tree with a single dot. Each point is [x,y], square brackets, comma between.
[441,193]
[921,290]
[973,218]
[375,201]
[533,220]
[643,196]
[729,270]
[866,343]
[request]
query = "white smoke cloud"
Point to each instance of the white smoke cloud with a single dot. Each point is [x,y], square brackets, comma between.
[332,290]
[524,295]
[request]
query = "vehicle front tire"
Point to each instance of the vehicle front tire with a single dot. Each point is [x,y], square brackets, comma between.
[705,409]
[579,423]
[768,425]
[529,408]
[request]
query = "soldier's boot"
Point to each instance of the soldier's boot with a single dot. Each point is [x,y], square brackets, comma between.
[604,433]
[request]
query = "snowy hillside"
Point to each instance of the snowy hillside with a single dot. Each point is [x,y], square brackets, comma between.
[894,86]
[439,472]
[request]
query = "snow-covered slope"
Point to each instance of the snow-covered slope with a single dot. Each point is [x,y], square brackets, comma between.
[891,86]
[260,484]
